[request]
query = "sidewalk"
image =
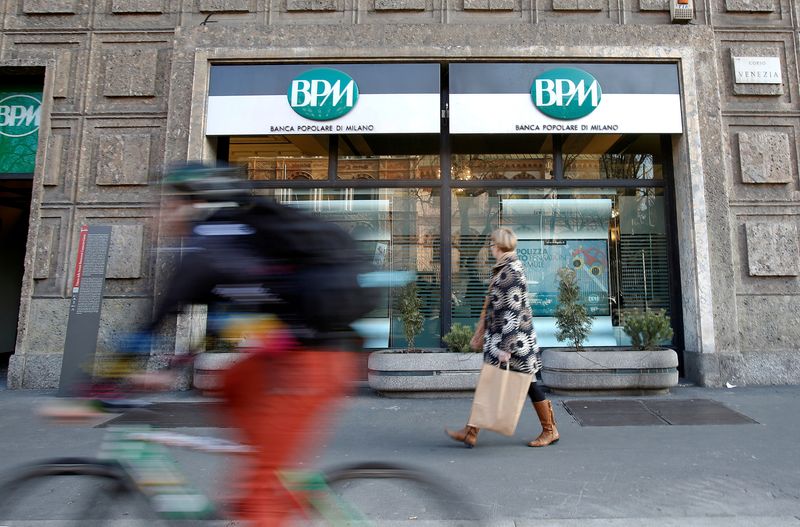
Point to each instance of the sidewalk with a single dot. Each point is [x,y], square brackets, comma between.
[611,476]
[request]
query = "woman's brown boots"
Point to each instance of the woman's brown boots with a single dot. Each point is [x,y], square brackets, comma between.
[544,409]
[467,435]
[549,433]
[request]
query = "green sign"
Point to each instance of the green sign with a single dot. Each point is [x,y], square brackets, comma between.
[322,94]
[20,112]
[566,93]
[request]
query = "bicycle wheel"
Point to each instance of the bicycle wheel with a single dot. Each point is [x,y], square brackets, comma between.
[381,493]
[73,492]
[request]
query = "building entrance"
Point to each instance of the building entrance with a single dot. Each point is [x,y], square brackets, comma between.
[15,205]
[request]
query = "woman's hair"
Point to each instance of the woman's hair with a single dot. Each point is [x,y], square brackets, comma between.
[504,239]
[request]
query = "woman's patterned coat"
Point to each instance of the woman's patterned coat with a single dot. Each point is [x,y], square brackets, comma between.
[509,320]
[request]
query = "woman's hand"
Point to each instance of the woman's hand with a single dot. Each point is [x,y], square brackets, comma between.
[504,356]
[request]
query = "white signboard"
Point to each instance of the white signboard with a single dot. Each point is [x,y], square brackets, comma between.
[266,99]
[757,70]
[572,98]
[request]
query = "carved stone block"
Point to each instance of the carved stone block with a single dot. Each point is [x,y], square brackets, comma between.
[772,249]
[218,6]
[765,157]
[54,160]
[130,73]
[125,251]
[49,7]
[121,7]
[123,159]
[750,6]
[399,5]
[312,5]
[63,70]
[654,5]
[60,160]
[45,248]
[565,5]
[490,5]
[578,5]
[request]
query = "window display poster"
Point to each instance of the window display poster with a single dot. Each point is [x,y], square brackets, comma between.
[543,258]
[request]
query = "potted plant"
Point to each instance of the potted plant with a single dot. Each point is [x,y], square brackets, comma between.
[457,340]
[647,329]
[410,306]
[409,372]
[642,369]
[572,319]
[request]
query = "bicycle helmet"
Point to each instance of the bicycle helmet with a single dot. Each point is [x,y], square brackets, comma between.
[205,182]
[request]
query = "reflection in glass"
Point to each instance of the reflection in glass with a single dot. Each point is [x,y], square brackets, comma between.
[502,157]
[615,240]
[388,157]
[399,230]
[612,156]
[281,157]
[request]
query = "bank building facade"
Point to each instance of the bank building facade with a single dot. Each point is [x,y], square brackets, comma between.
[651,145]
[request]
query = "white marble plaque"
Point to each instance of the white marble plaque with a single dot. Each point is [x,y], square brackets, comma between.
[757,70]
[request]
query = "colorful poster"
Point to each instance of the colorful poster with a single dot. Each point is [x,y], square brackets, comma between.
[542,260]
[20,111]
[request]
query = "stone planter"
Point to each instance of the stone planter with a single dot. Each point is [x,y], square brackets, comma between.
[208,368]
[426,373]
[609,371]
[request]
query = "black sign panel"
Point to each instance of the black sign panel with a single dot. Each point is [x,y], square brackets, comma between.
[84,309]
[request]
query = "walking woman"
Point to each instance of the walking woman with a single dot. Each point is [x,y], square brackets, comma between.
[505,333]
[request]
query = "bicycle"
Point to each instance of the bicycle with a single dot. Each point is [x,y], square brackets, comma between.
[135,482]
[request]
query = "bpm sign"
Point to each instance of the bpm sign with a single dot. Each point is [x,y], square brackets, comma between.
[566,93]
[19,115]
[322,94]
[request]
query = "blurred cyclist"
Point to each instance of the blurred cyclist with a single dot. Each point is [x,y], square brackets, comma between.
[253,258]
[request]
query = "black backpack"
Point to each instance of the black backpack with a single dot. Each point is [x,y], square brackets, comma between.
[317,265]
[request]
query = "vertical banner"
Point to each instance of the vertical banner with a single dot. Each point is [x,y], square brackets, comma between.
[83,324]
[20,113]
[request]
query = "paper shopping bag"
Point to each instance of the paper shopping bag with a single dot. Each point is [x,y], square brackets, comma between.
[499,398]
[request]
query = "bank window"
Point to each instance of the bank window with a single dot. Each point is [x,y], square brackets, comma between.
[398,230]
[510,157]
[614,239]
[282,157]
[612,156]
[388,157]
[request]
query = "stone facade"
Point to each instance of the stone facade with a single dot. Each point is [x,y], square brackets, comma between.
[125,86]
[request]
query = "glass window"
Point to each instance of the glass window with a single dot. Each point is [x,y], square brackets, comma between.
[384,157]
[399,230]
[511,156]
[610,156]
[282,157]
[615,239]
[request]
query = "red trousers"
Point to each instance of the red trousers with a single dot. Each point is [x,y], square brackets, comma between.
[280,403]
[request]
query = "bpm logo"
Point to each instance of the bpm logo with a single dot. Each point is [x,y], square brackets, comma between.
[19,115]
[566,93]
[322,94]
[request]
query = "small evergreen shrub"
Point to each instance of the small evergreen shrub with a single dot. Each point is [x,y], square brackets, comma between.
[572,319]
[458,338]
[647,329]
[410,306]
